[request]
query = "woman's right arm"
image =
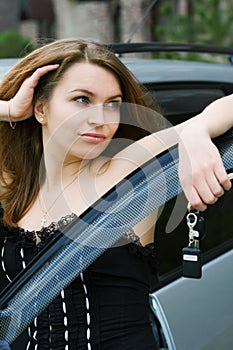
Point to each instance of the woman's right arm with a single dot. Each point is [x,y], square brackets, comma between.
[20,107]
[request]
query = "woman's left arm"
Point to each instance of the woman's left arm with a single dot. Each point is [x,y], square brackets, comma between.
[201,170]
[202,174]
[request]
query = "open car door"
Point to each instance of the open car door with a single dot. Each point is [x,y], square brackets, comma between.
[90,235]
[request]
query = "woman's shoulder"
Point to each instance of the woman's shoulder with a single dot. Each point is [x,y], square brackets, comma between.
[99,165]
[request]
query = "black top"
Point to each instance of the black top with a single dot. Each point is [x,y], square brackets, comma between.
[106,307]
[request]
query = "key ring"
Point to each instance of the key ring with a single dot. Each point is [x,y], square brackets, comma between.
[190,223]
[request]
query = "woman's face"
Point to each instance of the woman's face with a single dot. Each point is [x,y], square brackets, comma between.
[83,112]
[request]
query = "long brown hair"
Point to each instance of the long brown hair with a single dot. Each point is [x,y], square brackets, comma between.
[21,149]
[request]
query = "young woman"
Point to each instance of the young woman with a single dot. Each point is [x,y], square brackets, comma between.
[74,122]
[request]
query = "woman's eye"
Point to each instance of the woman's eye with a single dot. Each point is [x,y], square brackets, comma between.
[114,105]
[82,99]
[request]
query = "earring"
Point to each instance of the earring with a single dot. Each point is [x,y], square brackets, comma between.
[41,119]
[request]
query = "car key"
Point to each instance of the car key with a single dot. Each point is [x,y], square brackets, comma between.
[191,263]
[192,267]
[200,225]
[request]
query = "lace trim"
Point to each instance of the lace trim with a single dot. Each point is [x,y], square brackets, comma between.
[54,227]
[132,237]
[45,232]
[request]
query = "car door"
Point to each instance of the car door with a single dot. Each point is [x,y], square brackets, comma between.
[194,314]
[198,314]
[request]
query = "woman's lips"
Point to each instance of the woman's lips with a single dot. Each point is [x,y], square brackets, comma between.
[92,137]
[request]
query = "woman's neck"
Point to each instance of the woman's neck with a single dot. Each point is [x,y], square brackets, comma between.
[60,172]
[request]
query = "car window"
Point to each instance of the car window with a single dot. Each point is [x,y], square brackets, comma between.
[182,101]
[186,101]
[179,102]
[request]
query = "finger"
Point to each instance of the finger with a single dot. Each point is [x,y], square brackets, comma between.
[223,178]
[195,201]
[209,189]
[215,187]
[39,72]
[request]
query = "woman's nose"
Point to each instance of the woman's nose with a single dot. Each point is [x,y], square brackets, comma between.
[96,115]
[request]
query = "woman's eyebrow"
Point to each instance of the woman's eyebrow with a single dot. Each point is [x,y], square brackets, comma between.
[83,91]
[88,92]
[116,96]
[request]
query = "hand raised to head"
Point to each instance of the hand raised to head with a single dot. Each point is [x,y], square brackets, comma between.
[21,104]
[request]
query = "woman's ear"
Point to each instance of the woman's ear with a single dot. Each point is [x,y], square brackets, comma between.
[40,112]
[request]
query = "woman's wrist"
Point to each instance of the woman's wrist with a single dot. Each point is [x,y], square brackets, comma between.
[4,111]
[217,118]
[9,116]
[195,129]
[214,126]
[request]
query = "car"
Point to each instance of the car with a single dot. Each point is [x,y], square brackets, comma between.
[187,313]
[193,314]
[5,65]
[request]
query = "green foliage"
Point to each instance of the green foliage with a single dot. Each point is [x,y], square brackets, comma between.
[208,22]
[13,44]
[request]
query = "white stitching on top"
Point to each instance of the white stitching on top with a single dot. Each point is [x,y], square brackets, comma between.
[22,256]
[2,259]
[88,333]
[66,334]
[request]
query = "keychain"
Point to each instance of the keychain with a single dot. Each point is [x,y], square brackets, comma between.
[192,266]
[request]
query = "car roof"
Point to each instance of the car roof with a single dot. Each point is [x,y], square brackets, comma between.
[155,70]
[5,65]
[142,58]
[162,71]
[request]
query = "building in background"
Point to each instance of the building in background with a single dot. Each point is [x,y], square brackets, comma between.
[105,20]
[37,15]
[31,18]
[102,20]
[9,15]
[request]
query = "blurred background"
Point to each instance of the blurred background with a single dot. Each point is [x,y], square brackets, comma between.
[25,23]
